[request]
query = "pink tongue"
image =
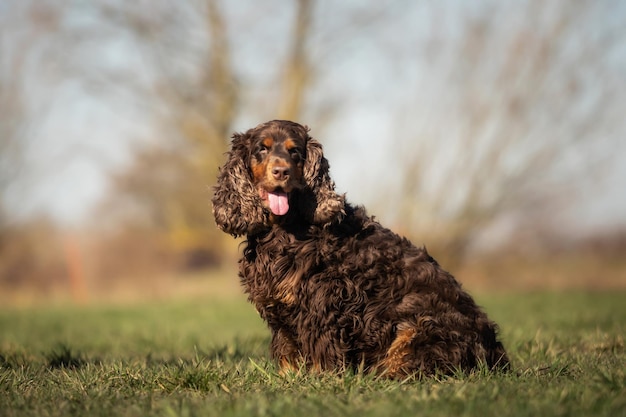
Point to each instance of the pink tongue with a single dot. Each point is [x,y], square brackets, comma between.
[279,203]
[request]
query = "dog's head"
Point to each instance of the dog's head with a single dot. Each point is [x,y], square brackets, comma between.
[274,171]
[277,159]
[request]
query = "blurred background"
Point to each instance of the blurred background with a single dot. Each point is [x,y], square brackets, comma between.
[493,132]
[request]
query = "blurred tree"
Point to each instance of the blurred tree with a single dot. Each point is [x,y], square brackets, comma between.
[298,69]
[526,109]
[11,111]
[165,188]
[29,252]
[10,149]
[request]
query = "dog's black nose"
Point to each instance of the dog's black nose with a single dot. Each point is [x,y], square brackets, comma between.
[280,173]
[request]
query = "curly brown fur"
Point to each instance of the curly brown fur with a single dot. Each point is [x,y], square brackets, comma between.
[336,288]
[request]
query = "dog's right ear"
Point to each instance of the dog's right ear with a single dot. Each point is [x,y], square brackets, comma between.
[237,207]
[328,205]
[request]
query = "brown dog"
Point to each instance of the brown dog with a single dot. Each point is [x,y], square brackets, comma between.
[336,288]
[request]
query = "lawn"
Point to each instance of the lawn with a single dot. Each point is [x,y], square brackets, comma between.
[207,356]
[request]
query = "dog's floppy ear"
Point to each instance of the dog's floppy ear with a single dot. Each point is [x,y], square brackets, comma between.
[329,206]
[237,206]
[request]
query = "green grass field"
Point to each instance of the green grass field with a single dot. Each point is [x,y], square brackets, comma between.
[208,357]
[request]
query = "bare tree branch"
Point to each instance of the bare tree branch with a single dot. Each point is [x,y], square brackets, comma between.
[298,70]
[499,157]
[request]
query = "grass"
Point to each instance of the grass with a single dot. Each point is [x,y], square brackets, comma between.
[208,357]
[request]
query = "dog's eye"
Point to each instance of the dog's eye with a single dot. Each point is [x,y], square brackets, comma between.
[263,150]
[295,154]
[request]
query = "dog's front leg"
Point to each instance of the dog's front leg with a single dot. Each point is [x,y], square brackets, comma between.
[285,351]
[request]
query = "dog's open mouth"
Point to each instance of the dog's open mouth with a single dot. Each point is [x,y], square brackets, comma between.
[277,200]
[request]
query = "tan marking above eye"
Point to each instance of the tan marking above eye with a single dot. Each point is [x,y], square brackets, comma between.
[267,142]
[290,144]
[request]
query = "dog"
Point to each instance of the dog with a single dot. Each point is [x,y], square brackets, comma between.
[338,290]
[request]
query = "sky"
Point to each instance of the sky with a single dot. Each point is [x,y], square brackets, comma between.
[393,74]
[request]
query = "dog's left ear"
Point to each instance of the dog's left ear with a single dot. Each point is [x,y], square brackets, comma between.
[329,206]
[236,204]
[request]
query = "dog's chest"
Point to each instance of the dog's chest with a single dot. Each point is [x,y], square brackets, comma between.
[276,272]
